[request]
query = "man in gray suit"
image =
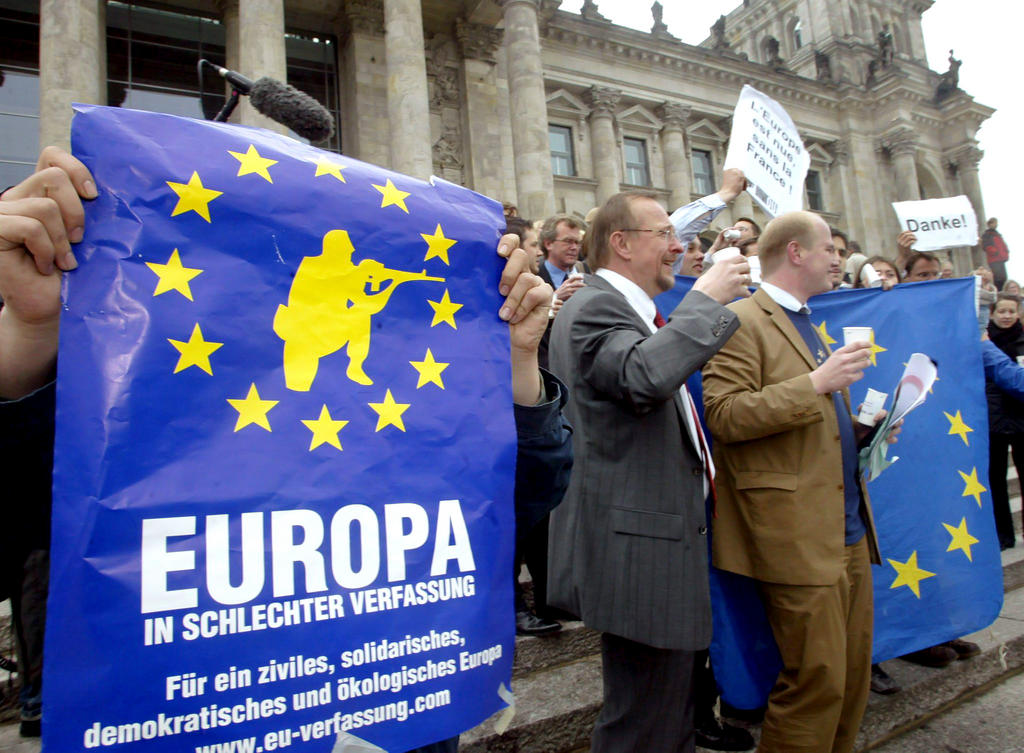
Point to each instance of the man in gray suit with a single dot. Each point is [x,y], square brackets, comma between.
[627,547]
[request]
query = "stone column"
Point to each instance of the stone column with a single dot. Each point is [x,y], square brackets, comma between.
[534,183]
[478,45]
[841,154]
[673,148]
[408,100]
[365,130]
[967,159]
[254,32]
[902,146]
[602,101]
[72,63]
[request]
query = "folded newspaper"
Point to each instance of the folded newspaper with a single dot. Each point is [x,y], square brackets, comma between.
[918,378]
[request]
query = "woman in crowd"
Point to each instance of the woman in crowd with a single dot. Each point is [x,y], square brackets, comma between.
[885,269]
[1005,416]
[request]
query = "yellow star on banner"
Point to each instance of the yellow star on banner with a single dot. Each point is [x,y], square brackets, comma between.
[173,276]
[972,487]
[193,197]
[389,412]
[957,426]
[875,349]
[326,167]
[825,336]
[961,540]
[444,311]
[195,352]
[325,430]
[392,196]
[253,163]
[909,574]
[437,245]
[429,370]
[252,409]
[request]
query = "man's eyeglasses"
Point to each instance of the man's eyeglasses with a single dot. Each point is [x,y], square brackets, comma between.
[665,233]
[569,241]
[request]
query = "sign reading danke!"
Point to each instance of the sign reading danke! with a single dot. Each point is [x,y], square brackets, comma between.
[939,223]
[766,146]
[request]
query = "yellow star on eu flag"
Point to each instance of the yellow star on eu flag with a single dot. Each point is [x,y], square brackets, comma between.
[173,276]
[429,370]
[195,352]
[326,167]
[437,245]
[825,336]
[972,487]
[392,196]
[875,349]
[961,540]
[325,429]
[909,574]
[389,412]
[193,197]
[444,311]
[253,163]
[252,409]
[957,426]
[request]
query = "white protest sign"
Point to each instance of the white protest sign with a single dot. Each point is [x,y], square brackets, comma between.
[939,223]
[766,146]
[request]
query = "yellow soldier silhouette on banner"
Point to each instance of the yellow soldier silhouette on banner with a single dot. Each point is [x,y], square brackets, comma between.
[330,306]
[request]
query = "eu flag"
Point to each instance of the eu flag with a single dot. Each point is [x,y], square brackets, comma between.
[941,573]
[284,453]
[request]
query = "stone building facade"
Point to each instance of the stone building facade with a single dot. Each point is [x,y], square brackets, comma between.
[542,108]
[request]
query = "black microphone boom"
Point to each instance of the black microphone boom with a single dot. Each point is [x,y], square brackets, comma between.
[278,101]
[288,106]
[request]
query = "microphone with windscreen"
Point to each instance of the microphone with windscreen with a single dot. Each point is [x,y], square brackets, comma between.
[278,101]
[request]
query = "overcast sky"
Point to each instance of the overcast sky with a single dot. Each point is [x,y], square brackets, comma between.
[984,36]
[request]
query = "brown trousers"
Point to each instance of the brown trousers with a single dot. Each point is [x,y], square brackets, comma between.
[824,636]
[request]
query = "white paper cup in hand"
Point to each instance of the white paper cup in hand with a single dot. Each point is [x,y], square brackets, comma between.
[870,277]
[857,335]
[755,270]
[725,253]
[874,401]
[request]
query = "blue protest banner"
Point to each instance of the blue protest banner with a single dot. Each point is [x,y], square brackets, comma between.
[284,454]
[941,573]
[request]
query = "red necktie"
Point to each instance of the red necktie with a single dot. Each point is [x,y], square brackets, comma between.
[659,322]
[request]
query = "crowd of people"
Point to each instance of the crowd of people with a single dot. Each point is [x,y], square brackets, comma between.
[669,418]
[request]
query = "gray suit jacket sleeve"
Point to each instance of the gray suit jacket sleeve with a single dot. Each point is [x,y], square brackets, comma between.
[624,363]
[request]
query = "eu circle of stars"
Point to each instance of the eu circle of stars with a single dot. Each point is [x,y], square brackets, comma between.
[909,572]
[196,350]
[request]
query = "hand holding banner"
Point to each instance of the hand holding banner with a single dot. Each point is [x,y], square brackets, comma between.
[766,146]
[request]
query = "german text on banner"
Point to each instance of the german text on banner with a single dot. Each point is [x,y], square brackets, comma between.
[285,451]
[939,223]
[941,573]
[766,146]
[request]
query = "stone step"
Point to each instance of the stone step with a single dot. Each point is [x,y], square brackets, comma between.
[556,703]
[573,642]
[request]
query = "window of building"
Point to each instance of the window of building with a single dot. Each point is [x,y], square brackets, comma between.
[798,35]
[19,90]
[703,176]
[152,55]
[635,153]
[815,200]
[560,142]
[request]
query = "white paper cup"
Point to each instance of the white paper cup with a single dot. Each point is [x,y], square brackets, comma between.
[874,401]
[857,335]
[1020,360]
[725,253]
[755,270]
[870,277]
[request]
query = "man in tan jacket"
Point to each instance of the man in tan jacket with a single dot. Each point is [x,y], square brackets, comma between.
[792,512]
